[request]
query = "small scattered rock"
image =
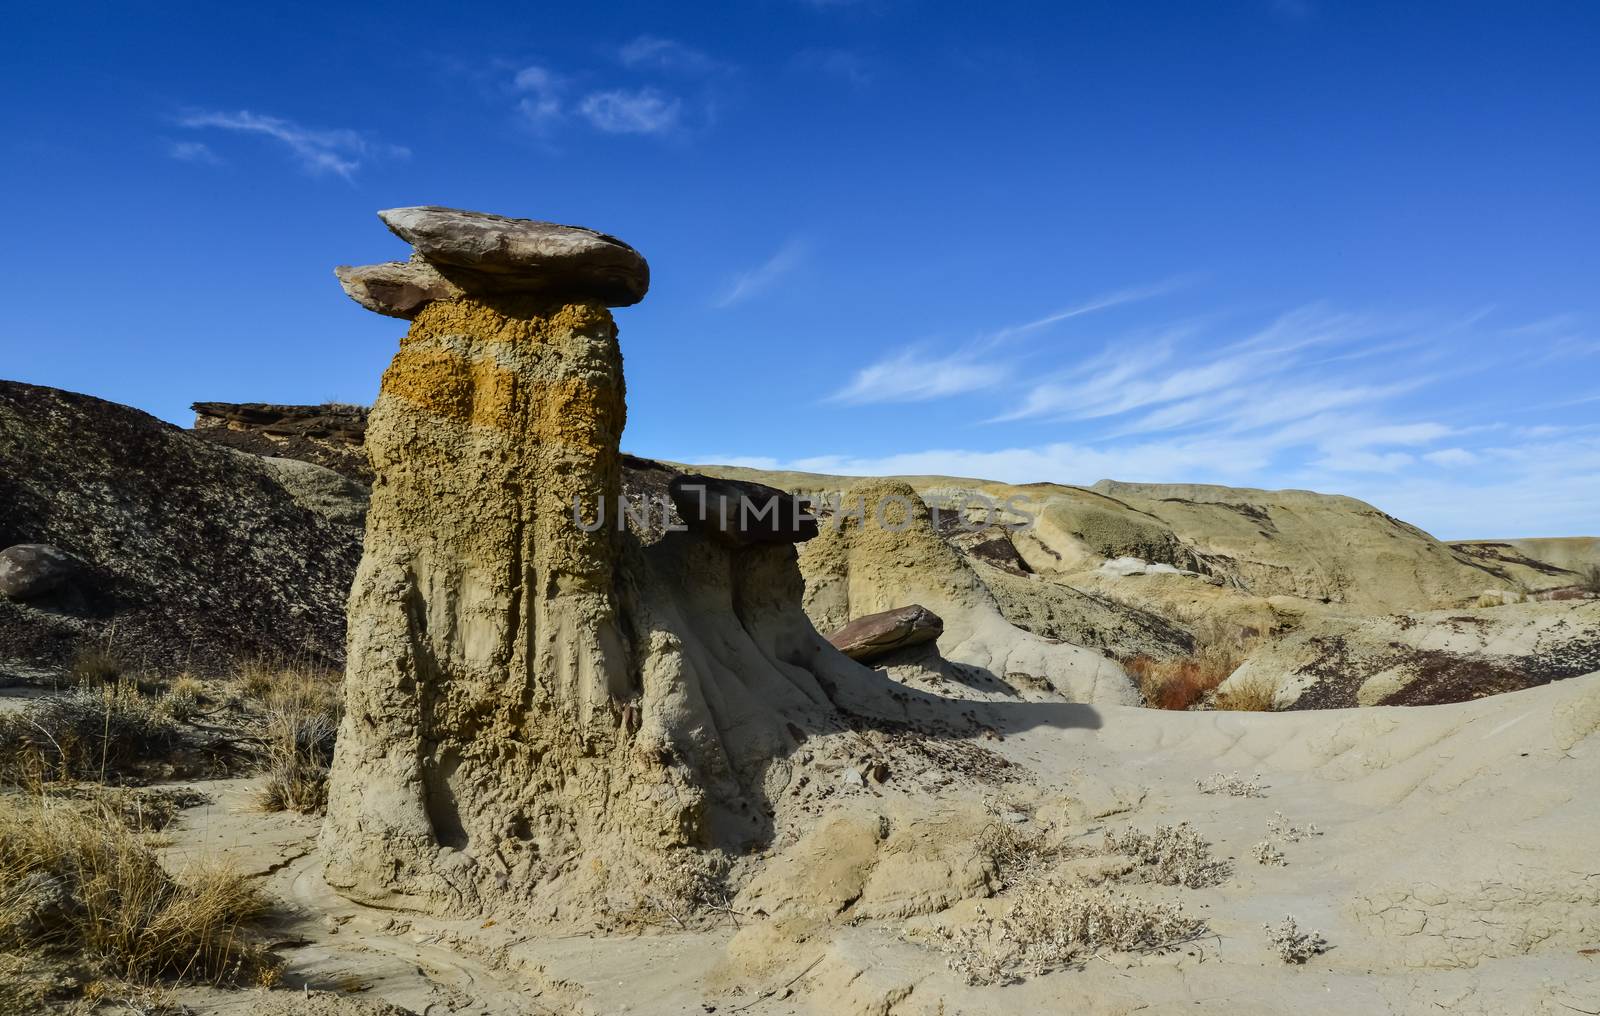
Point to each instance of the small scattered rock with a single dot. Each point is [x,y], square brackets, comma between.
[28,570]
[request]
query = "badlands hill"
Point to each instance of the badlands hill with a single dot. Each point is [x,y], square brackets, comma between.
[1313,548]
[175,552]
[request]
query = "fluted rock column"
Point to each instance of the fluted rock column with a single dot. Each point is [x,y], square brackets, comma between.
[486,663]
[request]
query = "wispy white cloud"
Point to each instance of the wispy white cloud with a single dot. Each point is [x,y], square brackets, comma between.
[1451,457]
[549,99]
[340,151]
[1060,462]
[912,375]
[909,376]
[1363,404]
[541,89]
[1279,376]
[845,64]
[638,111]
[194,151]
[760,278]
[651,52]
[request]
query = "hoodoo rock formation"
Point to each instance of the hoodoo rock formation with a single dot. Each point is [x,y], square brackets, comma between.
[536,708]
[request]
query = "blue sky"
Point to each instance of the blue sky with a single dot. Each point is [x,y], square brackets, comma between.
[1344,246]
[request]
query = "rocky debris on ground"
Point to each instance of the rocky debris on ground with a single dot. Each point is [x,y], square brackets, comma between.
[877,635]
[29,570]
[1426,658]
[458,253]
[189,555]
[330,435]
[739,513]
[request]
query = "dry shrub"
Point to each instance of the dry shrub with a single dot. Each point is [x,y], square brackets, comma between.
[1184,681]
[1292,944]
[73,883]
[1175,855]
[90,733]
[1281,827]
[1052,922]
[301,711]
[255,680]
[1017,854]
[98,663]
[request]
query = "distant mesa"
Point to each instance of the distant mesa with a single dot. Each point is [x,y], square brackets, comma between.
[463,253]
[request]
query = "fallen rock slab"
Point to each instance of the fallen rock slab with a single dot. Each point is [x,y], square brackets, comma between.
[875,635]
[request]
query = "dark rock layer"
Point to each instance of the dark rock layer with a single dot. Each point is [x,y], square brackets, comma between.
[190,555]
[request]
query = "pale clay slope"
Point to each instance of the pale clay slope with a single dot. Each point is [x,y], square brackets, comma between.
[1456,873]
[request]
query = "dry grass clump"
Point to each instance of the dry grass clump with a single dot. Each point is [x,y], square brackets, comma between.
[139,809]
[1183,682]
[183,698]
[1267,852]
[75,884]
[1175,855]
[98,663]
[1053,922]
[1247,695]
[89,733]
[301,711]
[1292,944]
[255,680]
